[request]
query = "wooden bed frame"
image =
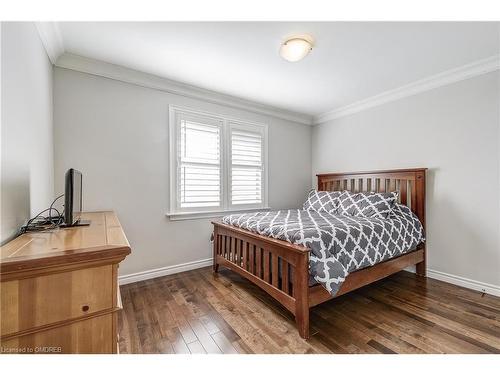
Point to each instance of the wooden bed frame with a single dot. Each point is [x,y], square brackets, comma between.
[259,258]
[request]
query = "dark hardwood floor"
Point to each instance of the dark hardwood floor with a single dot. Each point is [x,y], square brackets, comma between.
[195,312]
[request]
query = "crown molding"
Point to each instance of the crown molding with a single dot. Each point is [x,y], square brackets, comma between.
[476,68]
[53,42]
[51,39]
[123,74]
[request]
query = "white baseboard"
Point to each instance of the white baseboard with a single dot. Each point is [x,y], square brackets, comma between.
[464,282]
[494,290]
[163,271]
[438,275]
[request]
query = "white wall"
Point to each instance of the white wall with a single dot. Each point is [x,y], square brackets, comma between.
[453,131]
[27,148]
[116,134]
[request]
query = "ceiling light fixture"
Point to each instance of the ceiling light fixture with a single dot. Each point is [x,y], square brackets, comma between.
[296,48]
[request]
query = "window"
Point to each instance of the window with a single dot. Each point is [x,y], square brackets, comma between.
[246,166]
[217,164]
[199,163]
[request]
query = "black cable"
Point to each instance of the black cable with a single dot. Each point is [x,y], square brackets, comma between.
[30,221]
[52,204]
[40,223]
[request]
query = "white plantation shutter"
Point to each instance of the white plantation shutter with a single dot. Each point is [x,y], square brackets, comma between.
[246,167]
[199,164]
[216,164]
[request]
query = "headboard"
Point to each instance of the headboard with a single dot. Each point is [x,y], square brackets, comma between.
[410,183]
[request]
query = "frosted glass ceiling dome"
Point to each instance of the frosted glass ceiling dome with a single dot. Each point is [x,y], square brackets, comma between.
[295,49]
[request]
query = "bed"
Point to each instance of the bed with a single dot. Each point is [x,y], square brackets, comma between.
[256,247]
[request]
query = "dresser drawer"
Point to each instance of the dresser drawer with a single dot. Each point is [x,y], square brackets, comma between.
[42,300]
[92,335]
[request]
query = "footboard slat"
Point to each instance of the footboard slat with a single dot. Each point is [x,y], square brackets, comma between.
[238,251]
[274,272]
[251,249]
[284,277]
[287,301]
[266,267]
[258,262]
[245,254]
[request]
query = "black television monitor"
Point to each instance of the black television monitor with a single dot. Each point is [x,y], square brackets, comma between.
[73,198]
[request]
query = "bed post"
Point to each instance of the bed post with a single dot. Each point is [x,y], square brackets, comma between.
[215,242]
[421,267]
[301,295]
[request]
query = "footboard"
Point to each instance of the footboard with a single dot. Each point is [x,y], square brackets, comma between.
[279,268]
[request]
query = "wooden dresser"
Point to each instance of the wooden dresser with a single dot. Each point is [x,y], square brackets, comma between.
[59,289]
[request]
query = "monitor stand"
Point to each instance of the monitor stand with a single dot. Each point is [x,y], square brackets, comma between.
[79,223]
[82,223]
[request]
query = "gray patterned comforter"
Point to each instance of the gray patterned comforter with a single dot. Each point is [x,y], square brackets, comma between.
[339,244]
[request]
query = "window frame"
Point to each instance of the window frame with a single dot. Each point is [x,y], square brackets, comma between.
[175,212]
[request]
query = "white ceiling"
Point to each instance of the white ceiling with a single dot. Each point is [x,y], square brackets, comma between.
[350,62]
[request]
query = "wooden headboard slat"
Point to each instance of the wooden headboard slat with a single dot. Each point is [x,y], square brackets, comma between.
[403,185]
[409,183]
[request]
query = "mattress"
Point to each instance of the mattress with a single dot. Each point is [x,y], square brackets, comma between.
[339,244]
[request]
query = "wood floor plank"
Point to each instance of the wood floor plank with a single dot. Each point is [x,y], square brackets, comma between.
[431,329]
[209,324]
[374,332]
[128,337]
[281,333]
[240,314]
[164,346]
[212,320]
[426,332]
[195,347]
[178,344]
[197,312]
[223,343]
[361,315]
[241,347]
[184,327]
[381,348]
[148,334]
[448,325]
[204,337]
[449,310]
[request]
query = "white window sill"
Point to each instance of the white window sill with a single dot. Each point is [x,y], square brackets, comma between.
[174,216]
